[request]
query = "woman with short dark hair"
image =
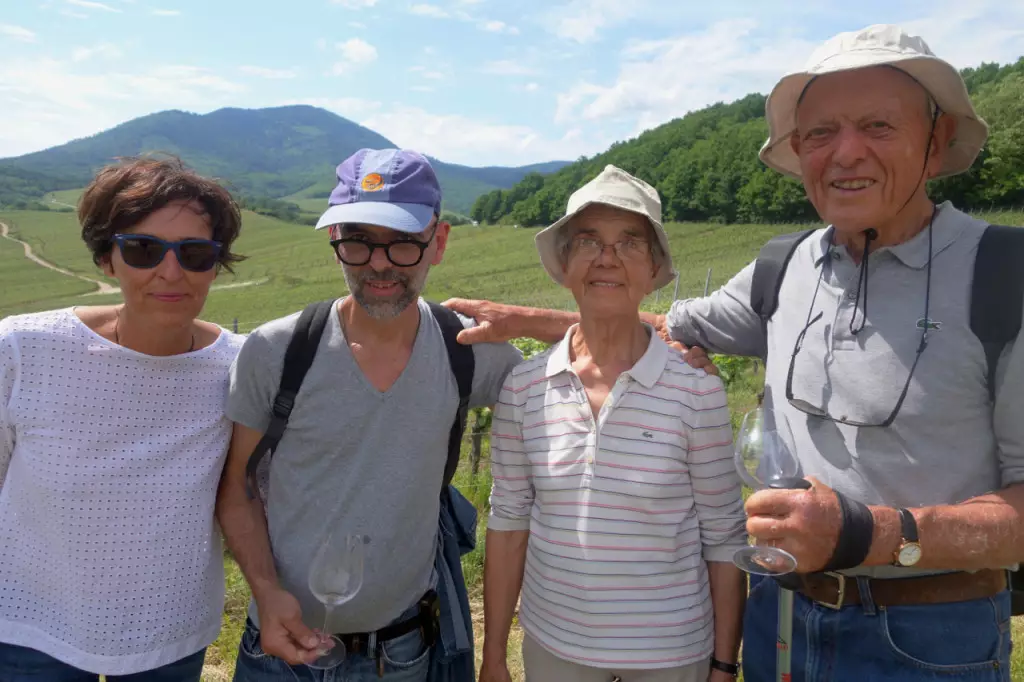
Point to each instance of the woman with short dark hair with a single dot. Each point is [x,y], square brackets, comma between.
[112,441]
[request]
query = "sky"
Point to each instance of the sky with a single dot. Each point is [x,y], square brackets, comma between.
[477,82]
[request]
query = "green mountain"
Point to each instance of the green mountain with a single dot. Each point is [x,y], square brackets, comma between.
[275,152]
[705,164]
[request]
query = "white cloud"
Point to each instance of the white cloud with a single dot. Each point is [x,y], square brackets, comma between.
[355,52]
[103,50]
[661,80]
[583,20]
[89,4]
[73,14]
[356,24]
[508,67]
[321,44]
[353,108]
[427,73]
[354,4]
[425,10]
[47,102]
[264,72]
[498,27]
[531,87]
[17,33]
[472,141]
[422,88]
[658,80]
[167,12]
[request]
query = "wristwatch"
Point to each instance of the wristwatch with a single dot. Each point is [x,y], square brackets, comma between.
[909,552]
[731,668]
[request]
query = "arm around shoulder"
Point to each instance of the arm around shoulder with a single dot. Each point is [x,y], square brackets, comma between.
[722,322]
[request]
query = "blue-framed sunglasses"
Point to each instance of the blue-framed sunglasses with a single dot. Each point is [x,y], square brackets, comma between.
[146,251]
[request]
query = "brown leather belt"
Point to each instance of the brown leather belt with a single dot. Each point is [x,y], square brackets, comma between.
[836,590]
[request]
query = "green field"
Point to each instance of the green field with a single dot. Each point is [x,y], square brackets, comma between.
[65,197]
[298,266]
[293,265]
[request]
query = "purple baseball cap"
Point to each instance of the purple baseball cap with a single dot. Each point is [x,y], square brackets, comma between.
[392,188]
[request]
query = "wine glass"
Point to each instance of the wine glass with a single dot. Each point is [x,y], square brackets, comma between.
[764,460]
[335,577]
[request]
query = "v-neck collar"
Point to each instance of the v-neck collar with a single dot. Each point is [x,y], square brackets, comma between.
[417,343]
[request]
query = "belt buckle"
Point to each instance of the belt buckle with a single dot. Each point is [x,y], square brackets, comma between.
[841,597]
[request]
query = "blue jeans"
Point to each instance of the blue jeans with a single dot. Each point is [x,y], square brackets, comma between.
[21,664]
[957,642]
[405,658]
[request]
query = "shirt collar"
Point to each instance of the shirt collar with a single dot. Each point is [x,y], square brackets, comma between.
[646,371]
[914,252]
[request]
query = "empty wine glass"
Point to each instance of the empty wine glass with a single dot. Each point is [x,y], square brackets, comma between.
[764,460]
[335,577]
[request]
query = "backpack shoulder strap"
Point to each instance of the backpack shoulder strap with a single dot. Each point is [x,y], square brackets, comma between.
[997,292]
[297,360]
[769,269]
[463,364]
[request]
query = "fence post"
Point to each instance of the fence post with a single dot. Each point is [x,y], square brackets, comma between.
[707,282]
[234,325]
[675,292]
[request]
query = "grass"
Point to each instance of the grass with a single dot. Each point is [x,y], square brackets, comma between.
[67,197]
[298,267]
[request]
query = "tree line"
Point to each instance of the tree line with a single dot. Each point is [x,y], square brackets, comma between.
[706,169]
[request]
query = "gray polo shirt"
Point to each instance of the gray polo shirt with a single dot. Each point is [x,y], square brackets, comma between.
[949,442]
[360,460]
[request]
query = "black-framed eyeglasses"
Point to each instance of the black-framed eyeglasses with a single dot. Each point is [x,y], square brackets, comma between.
[403,253]
[815,411]
[145,251]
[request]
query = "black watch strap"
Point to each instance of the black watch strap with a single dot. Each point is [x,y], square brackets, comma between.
[731,668]
[908,525]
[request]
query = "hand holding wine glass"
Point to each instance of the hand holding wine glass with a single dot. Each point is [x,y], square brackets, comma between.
[764,460]
[335,577]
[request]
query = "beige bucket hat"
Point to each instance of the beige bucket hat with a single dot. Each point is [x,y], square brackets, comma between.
[612,187]
[880,44]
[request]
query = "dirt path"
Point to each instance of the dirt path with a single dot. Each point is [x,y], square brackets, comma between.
[101,287]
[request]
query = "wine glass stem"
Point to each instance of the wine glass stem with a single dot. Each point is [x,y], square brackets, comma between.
[324,635]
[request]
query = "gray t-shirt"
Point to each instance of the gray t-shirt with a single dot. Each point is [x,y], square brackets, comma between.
[949,442]
[360,460]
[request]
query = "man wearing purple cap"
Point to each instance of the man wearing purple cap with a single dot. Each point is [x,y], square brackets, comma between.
[365,448]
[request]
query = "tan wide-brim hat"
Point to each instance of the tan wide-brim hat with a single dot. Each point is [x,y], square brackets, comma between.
[878,45]
[612,187]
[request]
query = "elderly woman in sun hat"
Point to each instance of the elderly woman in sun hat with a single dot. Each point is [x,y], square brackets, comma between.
[615,508]
[889,392]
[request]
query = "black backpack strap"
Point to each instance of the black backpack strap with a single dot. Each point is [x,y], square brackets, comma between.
[997,292]
[769,269]
[297,360]
[463,364]
[997,299]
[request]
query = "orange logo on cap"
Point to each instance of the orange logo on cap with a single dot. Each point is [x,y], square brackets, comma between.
[373,182]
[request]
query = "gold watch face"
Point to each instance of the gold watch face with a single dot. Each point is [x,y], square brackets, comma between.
[909,554]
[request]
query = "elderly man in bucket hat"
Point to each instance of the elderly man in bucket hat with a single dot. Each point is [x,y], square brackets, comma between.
[615,506]
[888,390]
[364,452]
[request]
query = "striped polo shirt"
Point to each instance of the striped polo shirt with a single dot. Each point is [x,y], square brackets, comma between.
[622,511]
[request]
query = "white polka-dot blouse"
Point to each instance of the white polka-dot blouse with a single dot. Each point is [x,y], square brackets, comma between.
[110,559]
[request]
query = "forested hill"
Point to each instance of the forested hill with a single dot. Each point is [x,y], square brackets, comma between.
[705,164]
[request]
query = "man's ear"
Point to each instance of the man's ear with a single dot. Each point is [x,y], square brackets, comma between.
[441,238]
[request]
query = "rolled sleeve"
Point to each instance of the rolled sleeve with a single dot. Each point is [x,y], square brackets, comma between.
[254,378]
[512,492]
[717,490]
[723,322]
